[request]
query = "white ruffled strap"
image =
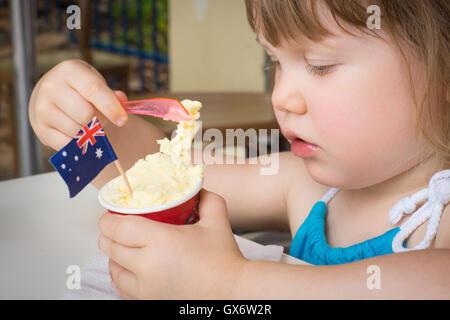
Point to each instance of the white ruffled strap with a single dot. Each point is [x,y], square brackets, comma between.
[330,194]
[437,195]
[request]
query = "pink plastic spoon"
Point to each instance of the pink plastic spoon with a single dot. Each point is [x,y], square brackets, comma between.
[168,109]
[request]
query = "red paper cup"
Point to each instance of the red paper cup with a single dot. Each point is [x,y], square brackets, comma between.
[181,211]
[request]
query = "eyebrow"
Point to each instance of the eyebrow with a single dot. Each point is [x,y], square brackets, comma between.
[324,43]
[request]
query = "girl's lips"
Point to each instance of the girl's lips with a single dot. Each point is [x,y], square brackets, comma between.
[290,135]
[300,147]
[303,149]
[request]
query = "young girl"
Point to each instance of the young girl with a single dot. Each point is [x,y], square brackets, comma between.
[367,115]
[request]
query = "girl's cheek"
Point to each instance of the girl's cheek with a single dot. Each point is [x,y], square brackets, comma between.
[359,111]
[368,133]
[279,116]
[350,130]
[338,126]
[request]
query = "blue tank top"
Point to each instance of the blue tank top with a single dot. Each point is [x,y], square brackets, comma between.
[310,244]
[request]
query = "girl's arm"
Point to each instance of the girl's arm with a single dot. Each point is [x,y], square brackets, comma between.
[421,274]
[254,201]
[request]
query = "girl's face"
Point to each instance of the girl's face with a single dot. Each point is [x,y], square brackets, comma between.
[351,97]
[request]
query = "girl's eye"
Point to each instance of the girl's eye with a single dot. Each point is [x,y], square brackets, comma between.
[319,70]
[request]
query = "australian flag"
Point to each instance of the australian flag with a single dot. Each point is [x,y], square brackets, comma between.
[82,159]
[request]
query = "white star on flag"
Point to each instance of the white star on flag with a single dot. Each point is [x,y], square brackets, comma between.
[99,153]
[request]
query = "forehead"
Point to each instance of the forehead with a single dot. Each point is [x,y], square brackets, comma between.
[332,42]
[327,31]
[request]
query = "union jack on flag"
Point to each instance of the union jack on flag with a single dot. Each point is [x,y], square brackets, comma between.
[88,133]
[84,157]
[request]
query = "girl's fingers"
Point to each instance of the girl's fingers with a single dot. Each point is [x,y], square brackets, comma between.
[126,282]
[123,255]
[126,230]
[120,95]
[93,88]
[55,138]
[74,105]
[121,292]
[60,121]
[212,209]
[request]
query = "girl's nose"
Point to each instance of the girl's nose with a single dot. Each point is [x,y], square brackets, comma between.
[288,98]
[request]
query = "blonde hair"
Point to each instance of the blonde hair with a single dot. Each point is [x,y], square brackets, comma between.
[420,25]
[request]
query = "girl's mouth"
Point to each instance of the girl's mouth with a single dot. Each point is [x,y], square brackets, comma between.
[303,149]
[300,147]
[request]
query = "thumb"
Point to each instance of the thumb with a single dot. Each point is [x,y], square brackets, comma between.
[120,95]
[212,209]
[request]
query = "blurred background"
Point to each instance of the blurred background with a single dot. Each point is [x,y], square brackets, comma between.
[196,49]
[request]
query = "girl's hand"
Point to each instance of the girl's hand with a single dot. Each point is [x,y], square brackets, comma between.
[154,260]
[67,98]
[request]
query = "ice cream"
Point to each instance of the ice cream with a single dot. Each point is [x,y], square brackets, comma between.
[164,176]
[179,147]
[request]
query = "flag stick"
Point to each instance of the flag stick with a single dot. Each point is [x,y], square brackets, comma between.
[122,173]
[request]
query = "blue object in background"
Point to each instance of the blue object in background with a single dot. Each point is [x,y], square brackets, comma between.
[82,159]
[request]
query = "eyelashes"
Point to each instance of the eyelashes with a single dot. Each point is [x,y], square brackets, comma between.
[320,70]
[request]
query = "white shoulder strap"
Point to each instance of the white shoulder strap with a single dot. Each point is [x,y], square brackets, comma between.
[437,195]
[330,194]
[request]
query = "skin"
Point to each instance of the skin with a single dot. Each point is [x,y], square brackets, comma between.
[365,93]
